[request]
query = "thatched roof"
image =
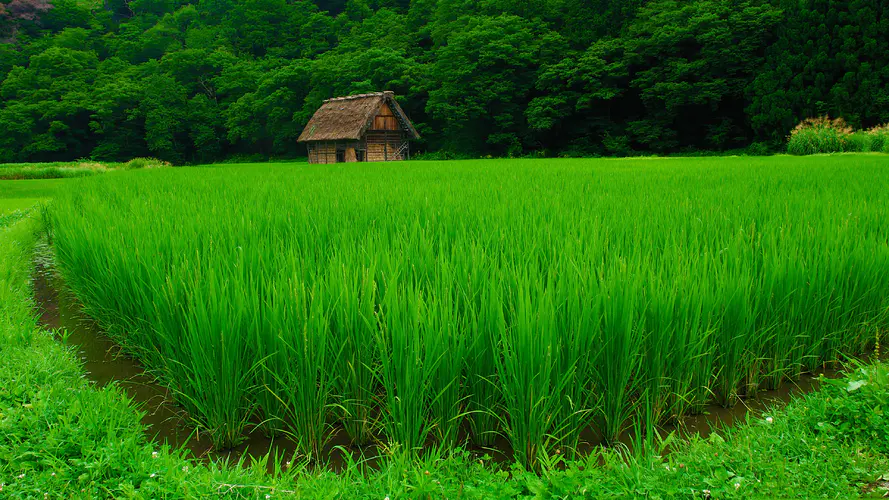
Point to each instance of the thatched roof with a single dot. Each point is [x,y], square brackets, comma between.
[343,118]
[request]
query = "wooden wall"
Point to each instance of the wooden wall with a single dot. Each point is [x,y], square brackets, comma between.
[379,144]
[322,152]
[383,145]
[385,119]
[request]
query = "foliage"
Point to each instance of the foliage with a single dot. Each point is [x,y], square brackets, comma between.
[819,135]
[145,163]
[815,67]
[14,11]
[878,138]
[823,135]
[856,407]
[482,80]
[205,81]
[676,80]
[247,289]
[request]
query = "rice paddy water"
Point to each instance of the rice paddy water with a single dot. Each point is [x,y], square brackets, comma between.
[431,304]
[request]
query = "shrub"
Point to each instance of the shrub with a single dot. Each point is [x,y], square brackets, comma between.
[537,153]
[856,407]
[440,155]
[146,163]
[819,135]
[86,164]
[617,145]
[758,149]
[245,158]
[857,142]
[878,138]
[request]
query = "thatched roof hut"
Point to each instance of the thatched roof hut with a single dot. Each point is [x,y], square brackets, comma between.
[364,127]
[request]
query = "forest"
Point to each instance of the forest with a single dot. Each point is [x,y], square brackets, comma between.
[210,80]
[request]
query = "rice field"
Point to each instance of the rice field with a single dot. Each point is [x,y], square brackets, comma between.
[447,304]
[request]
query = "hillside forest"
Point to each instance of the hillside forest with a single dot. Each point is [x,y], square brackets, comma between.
[210,80]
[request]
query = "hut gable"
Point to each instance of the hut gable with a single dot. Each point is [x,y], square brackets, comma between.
[350,117]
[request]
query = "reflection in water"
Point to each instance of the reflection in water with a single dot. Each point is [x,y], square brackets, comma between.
[165,423]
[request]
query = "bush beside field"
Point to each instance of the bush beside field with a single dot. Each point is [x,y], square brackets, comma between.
[825,135]
[61,437]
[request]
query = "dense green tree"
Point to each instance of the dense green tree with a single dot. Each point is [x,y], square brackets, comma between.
[829,58]
[48,106]
[205,79]
[676,80]
[264,118]
[115,121]
[482,80]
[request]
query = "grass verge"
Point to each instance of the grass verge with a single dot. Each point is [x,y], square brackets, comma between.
[60,170]
[61,437]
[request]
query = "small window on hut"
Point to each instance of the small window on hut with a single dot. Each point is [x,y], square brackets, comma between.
[340,156]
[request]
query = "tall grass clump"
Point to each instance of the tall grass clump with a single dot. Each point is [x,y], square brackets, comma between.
[820,135]
[825,135]
[878,138]
[145,163]
[539,303]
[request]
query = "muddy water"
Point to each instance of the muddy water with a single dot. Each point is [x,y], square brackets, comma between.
[716,417]
[104,363]
[166,423]
[102,359]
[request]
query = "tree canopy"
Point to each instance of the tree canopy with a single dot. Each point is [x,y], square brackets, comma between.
[211,79]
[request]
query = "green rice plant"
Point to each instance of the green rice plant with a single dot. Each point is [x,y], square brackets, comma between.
[532,379]
[685,308]
[579,312]
[618,363]
[312,358]
[486,324]
[446,346]
[218,366]
[736,326]
[407,366]
[658,331]
[298,365]
[538,300]
[675,366]
[353,326]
